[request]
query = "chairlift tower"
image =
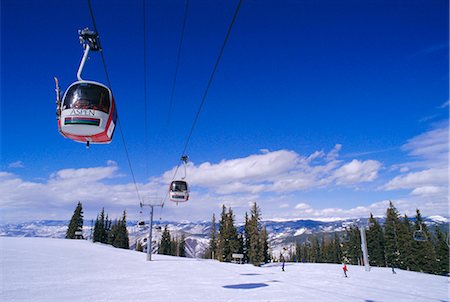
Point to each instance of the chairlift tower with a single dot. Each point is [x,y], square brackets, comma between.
[152,203]
[362,230]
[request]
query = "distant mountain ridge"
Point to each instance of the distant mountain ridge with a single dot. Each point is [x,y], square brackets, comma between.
[281,233]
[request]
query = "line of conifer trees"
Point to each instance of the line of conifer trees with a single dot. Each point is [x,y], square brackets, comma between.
[393,244]
[171,245]
[251,242]
[111,232]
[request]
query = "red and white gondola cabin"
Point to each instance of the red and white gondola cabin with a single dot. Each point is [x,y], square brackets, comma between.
[88,113]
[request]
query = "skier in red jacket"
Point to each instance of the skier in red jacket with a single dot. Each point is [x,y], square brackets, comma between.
[345,269]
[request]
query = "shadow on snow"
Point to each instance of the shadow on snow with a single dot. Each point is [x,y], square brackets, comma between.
[245,285]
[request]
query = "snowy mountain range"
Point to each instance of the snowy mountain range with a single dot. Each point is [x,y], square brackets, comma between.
[281,233]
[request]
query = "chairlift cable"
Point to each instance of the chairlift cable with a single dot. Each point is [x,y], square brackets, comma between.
[183,153]
[118,119]
[145,87]
[210,80]
[177,66]
[222,49]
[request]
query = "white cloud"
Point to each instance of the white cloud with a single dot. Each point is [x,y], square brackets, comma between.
[429,190]
[302,206]
[257,168]
[265,177]
[333,154]
[234,182]
[412,180]
[16,164]
[445,104]
[430,149]
[357,171]
[278,171]
[427,176]
[65,187]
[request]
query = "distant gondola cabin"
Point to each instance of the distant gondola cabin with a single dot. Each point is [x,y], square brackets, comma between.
[179,191]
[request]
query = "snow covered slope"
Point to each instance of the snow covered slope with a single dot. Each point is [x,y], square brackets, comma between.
[45,269]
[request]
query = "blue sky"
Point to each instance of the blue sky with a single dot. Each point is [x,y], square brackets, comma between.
[318,109]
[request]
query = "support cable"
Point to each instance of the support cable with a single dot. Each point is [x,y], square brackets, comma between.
[191,131]
[172,93]
[118,120]
[145,88]
[183,153]
[210,80]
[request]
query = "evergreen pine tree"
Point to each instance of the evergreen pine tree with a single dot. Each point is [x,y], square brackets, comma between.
[265,240]
[232,244]
[165,246]
[337,252]
[113,233]
[423,253]
[298,252]
[391,225]
[246,246]
[255,251]
[96,232]
[182,246]
[375,243]
[106,229]
[442,252]
[326,249]
[212,250]
[174,246]
[405,242]
[352,248]
[101,228]
[76,223]
[118,235]
[220,236]
[314,250]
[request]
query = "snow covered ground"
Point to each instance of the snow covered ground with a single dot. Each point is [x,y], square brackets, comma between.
[45,269]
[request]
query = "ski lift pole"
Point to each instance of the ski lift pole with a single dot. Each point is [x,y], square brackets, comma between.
[362,230]
[150,236]
[150,232]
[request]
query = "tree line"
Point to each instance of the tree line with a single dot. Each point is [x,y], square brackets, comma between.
[105,230]
[251,242]
[398,243]
[169,245]
[111,232]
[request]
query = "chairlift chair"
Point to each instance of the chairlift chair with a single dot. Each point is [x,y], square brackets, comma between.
[419,235]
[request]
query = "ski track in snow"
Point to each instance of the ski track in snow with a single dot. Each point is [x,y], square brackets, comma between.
[44,269]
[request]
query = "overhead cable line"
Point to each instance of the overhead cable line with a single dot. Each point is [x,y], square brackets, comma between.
[172,93]
[118,120]
[183,153]
[144,15]
[205,94]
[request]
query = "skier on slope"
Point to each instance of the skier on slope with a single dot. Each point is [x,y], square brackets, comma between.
[345,269]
